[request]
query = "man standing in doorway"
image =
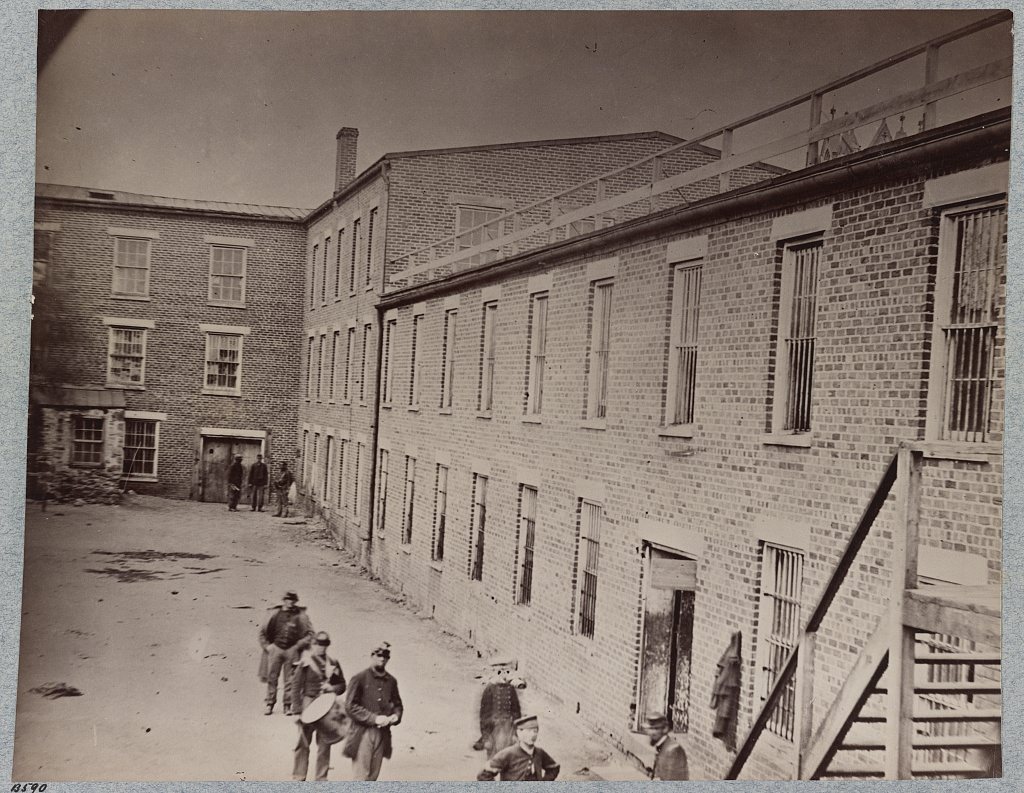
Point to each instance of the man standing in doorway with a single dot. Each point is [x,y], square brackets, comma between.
[235,474]
[283,635]
[282,485]
[670,762]
[374,706]
[258,476]
[524,761]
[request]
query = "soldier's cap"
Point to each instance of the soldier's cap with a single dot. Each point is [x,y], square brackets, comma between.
[383,650]
[323,637]
[656,721]
[526,722]
[290,595]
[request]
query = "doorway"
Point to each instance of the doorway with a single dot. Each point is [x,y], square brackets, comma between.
[668,637]
[217,455]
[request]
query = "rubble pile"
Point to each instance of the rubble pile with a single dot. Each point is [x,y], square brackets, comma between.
[90,486]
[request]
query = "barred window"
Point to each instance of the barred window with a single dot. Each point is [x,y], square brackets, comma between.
[588,556]
[323,274]
[86,441]
[488,354]
[343,460]
[538,353]
[227,275]
[140,447]
[797,325]
[364,379]
[350,348]
[972,273]
[448,358]
[414,362]
[683,352]
[328,468]
[312,276]
[131,267]
[320,367]
[371,221]
[440,513]
[126,362]
[315,465]
[600,340]
[337,262]
[382,490]
[309,367]
[357,235]
[478,528]
[467,218]
[357,480]
[779,619]
[388,375]
[527,538]
[409,500]
[335,341]
[223,363]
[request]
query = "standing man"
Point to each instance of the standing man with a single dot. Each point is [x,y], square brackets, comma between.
[285,633]
[281,486]
[258,476]
[670,762]
[235,474]
[374,706]
[524,761]
[315,673]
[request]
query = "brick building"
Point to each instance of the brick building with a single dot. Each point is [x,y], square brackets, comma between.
[165,337]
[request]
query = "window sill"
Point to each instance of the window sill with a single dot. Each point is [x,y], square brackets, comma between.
[330,402]
[208,392]
[139,479]
[225,304]
[352,293]
[369,288]
[139,298]
[594,424]
[337,298]
[413,408]
[444,412]
[439,566]
[484,414]
[347,402]
[406,549]
[532,420]
[381,535]
[961,452]
[386,406]
[801,441]
[676,431]
[127,386]
[362,404]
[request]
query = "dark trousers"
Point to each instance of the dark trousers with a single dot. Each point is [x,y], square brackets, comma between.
[282,503]
[234,493]
[257,497]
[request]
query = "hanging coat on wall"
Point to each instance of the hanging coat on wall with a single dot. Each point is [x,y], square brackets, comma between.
[725,694]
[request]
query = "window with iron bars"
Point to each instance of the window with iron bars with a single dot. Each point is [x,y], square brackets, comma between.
[312,277]
[320,368]
[798,308]
[538,353]
[328,469]
[350,348]
[478,528]
[343,460]
[371,221]
[683,351]
[357,481]
[388,375]
[527,539]
[382,490]
[335,341]
[309,367]
[588,557]
[364,378]
[357,234]
[971,279]
[414,362]
[337,262]
[488,354]
[600,340]
[409,500]
[779,630]
[86,441]
[323,275]
[440,513]
[448,358]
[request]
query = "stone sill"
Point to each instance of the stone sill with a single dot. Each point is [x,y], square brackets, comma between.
[138,298]
[594,424]
[224,304]
[234,394]
[439,566]
[801,441]
[126,386]
[484,415]
[676,431]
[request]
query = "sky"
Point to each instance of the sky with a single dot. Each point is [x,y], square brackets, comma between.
[244,106]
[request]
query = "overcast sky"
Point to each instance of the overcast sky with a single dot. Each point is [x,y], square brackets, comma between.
[244,106]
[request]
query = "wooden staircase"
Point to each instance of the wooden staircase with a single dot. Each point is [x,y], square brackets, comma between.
[923,699]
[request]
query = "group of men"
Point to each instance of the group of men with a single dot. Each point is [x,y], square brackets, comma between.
[258,479]
[373,705]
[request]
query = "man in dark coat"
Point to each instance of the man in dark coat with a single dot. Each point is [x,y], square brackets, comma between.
[374,706]
[258,476]
[499,708]
[282,484]
[523,762]
[235,473]
[283,635]
[316,673]
[670,762]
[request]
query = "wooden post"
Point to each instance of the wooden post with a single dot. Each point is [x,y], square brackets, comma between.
[804,702]
[812,147]
[900,698]
[723,178]
[931,74]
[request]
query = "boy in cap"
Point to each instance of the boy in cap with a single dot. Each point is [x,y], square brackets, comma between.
[670,762]
[316,673]
[523,762]
[375,706]
[283,635]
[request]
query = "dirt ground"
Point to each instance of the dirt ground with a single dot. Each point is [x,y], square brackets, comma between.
[151,610]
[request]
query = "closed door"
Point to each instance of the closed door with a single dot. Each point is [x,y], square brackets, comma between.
[218,454]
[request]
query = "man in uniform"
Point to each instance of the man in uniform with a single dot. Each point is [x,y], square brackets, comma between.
[670,762]
[523,762]
[499,708]
[374,706]
[282,485]
[283,635]
[258,482]
[235,473]
[315,673]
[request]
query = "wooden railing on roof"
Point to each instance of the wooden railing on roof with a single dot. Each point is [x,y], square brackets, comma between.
[601,209]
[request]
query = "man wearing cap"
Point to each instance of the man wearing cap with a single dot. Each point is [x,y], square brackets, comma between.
[523,762]
[316,673]
[235,474]
[499,708]
[670,761]
[283,635]
[282,485]
[374,706]
[258,476]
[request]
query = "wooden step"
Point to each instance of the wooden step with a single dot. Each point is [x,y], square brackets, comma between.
[949,688]
[987,659]
[919,770]
[960,714]
[926,742]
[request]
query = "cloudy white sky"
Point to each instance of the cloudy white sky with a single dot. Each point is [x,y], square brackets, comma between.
[244,106]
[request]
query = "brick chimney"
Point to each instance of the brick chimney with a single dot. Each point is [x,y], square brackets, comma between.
[345,164]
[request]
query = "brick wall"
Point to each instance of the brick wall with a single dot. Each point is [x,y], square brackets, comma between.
[81,271]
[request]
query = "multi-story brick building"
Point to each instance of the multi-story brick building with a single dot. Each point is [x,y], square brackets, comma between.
[167,335]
